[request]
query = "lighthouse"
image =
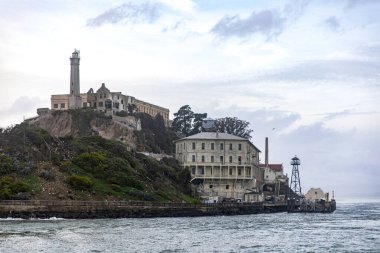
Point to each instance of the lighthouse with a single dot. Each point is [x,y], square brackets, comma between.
[75,100]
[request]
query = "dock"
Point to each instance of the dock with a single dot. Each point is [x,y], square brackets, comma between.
[128,209]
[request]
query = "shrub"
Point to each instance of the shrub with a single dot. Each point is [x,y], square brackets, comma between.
[19,186]
[5,193]
[11,189]
[90,161]
[80,182]
[47,175]
[6,164]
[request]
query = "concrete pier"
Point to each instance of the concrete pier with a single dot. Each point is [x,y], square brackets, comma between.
[127,209]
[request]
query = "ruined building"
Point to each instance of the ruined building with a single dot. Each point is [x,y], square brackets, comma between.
[103,99]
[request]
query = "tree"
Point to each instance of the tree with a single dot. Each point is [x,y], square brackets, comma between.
[234,126]
[198,122]
[183,120]
[132,108]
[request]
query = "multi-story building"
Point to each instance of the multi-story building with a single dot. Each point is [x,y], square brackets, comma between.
[221,165]
[103,99]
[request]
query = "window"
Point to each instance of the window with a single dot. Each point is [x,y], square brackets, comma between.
[108,104]
[239,160]
[203,159]
[56,106]
[212,146]
[221,146]
[100,104]
[203,146]
[84,104]
[227,187]
[193,170]
[210,186]
[230,171]
[193,158]
[212,158]
[221,159]
[239,146]
[239,172]
[230,146]
[193,145]
[230,159]
[211,171]
[63,105]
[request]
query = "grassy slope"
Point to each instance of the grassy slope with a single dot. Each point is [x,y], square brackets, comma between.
[89,167]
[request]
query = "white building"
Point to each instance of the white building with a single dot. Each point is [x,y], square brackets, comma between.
[221,165]
[315,194]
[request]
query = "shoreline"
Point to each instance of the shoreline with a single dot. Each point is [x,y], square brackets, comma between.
[42,209]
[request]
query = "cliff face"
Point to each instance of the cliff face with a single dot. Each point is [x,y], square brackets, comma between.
[85,123]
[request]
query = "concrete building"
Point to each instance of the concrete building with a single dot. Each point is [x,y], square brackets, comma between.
[221,165]
[103,99]
[315,194]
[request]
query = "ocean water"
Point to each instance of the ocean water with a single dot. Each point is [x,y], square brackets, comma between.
[351,228]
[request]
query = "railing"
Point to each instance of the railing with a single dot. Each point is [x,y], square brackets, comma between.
[123,203]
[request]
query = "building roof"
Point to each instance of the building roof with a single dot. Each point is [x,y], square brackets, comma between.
[274,167]
[216,136]
[103,88]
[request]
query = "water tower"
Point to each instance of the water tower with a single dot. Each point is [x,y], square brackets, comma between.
[295,183]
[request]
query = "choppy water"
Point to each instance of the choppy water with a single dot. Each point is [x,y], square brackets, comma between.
[352,228]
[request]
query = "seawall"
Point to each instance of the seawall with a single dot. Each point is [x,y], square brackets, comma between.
[127,209]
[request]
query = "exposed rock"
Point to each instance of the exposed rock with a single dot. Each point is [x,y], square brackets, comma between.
[63,124]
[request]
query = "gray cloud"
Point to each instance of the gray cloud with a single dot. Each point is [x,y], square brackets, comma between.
[146,12]
[355,3]
[347,112]
[327,70]
[267,22]
[333,23]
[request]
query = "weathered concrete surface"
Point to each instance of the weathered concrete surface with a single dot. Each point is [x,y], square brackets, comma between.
[125,209]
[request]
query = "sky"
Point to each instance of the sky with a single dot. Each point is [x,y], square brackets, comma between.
[306,74]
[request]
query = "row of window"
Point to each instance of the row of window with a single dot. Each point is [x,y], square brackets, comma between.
[212,159]
[105,96]
[62,106]
[239,171]
[212,146]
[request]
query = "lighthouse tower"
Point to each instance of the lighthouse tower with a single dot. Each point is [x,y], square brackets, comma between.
[75,100]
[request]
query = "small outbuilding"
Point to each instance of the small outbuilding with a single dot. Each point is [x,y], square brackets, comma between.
[315,193]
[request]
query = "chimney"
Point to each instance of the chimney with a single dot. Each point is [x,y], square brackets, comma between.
[266,152]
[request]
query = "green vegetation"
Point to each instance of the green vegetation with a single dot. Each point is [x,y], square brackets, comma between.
[80,182]
[13,189]
[33,164]
[154,136]
[6,164]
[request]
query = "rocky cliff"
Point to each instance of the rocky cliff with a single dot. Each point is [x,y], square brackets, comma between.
[77,123]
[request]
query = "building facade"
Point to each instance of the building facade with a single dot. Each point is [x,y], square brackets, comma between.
[103,99]
[221,165]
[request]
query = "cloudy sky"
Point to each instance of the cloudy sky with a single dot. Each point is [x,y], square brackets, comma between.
[304,73]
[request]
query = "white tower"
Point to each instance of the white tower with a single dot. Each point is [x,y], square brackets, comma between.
[75,100]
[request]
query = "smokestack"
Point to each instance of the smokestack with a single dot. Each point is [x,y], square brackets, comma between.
[266,152]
